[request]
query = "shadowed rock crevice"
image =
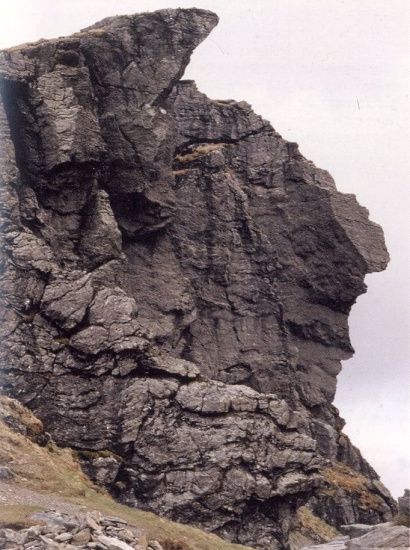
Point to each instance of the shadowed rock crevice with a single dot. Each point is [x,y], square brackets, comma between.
[177,281]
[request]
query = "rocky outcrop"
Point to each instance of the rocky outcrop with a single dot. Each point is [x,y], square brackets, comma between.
[403,516]
[368,537]
[47,502]
[176,280]
[350,497]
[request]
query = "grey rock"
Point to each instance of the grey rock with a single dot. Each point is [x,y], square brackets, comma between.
[101,240]
[171,366]
[16,537]
[57,519]
[356,529]
[105,469]
[336,544]
[81,537]
[63,537]
[92,522]
[33,532]
[34,546]
[392,536]
[113,543]
[380,489]
[126,535]
[66,302]
[49,543]
[6,474]
[177,281]
[84,530]
[404,504]
[113,520]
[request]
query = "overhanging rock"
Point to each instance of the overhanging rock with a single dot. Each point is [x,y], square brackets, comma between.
[177,280]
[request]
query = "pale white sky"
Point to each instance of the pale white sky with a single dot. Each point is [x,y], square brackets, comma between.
[332,75]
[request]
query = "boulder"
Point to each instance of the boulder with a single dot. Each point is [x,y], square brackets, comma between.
[390,536]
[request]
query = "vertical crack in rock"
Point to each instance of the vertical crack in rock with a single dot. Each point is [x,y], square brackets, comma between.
[176,281]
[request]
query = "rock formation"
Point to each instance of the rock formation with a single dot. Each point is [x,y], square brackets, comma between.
[369,537]
[176,282]
[92,530]
[44,484]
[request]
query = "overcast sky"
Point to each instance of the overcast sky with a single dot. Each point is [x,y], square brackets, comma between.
[332,75]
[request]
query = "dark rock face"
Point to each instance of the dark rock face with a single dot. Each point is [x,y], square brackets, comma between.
[403,517]
[176,279]
[404,503]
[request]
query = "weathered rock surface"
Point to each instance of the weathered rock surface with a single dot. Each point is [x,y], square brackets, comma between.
[392,536]
[356,529]
[350,497]
[385,536]
[176,280]
[82,531]
[403,515]
[336,544]
[404,504]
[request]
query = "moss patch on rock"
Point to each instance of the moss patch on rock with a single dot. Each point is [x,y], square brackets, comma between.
[341,476]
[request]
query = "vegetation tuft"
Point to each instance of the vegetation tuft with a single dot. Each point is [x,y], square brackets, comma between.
[340,476]
[314,527]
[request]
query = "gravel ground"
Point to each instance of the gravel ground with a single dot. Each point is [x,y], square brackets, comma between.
[13,494]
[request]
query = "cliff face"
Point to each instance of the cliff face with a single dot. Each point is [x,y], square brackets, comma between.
[177,282]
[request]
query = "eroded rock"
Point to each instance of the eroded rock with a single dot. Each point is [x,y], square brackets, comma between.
[177,281]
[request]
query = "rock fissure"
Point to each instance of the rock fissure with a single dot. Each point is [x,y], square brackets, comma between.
[184,147]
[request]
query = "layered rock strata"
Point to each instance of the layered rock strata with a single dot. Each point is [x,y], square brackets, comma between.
[176,282]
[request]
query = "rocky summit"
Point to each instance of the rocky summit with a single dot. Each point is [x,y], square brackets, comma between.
[176,284]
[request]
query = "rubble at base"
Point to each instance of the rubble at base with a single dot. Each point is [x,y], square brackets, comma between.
[88,530]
